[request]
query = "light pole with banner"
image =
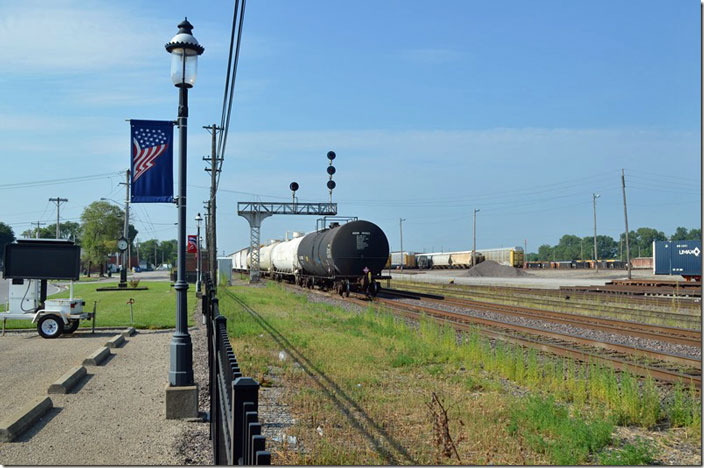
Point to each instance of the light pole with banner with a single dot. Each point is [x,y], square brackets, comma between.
[184,50]
[199,269]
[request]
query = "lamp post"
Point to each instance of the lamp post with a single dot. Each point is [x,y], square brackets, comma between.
[123,243]
[403,257]
[474,237]
[184,50]
[596,257]
[198,264]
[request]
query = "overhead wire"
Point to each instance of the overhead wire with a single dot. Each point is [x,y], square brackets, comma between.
[225,120]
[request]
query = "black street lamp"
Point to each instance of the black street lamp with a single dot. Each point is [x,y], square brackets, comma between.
[184,50]
[199,269]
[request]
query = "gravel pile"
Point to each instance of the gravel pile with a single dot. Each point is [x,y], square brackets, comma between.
[491,269]
[605,337]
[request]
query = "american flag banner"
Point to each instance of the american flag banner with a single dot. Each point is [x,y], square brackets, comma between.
[152,161]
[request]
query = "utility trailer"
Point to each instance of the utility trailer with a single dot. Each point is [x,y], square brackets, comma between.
[29,263]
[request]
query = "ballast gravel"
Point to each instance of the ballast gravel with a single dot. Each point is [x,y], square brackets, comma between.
[598,335]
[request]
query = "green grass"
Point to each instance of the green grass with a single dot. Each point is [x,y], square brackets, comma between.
[547,427]
[367,353]
[154,308]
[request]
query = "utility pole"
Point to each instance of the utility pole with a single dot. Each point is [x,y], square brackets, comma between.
[625,217]
[596,257]
[58,201]
[400,224]
[36,234]
[474,237]
[215,164]
[525,253]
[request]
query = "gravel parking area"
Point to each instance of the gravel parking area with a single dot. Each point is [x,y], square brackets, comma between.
[115,416]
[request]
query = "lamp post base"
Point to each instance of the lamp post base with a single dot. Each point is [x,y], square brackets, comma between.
[181,402]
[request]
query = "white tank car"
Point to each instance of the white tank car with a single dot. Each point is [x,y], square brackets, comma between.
[239,260]
[284,256]
[265,255]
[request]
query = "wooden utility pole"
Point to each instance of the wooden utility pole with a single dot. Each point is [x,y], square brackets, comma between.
[625,217]
[212,228]
[36,235]
[400,226]
[58,201]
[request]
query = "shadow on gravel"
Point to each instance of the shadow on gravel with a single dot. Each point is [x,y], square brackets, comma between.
[347,406]
[81,383]
[34,430]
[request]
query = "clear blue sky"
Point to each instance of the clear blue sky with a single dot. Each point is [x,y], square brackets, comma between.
[519,109]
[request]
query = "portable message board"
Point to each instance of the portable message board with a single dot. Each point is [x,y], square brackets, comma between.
[42,259]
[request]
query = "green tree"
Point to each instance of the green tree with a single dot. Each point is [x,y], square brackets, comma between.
[545,253]
[606,247]
[101,225]
[694,234]
[680,233]
[149,251]
[646,237]
[569,248]
[7,236]
[170,249]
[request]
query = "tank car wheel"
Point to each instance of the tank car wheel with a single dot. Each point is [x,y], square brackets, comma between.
[50,326]
[71,327]
[347,289]
[374,288]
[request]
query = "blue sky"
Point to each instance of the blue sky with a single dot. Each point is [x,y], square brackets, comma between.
[519,109]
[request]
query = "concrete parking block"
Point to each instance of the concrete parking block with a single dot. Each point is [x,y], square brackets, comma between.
[97,357]
[17,423]
[129,332]
[68,380]
[115,342]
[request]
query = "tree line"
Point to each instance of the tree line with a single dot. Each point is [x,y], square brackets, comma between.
[102,224]
[571,247]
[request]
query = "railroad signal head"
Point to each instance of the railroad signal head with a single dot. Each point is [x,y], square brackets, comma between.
[293,186]
[331,170]
[331,155]
[331,184]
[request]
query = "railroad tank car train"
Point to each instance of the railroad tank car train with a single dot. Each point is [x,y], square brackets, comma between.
[344,257]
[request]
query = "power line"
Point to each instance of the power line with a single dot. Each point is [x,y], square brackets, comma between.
[71,180]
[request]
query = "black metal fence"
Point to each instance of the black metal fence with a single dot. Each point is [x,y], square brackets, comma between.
[235,430]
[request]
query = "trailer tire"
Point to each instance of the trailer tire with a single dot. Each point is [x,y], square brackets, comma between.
[72,327]
[50,326]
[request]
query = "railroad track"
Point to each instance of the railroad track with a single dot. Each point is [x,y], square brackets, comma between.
[641,362]
[661,366]
[654,332]
[553,299]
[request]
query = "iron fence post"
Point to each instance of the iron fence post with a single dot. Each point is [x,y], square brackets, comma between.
[244,390]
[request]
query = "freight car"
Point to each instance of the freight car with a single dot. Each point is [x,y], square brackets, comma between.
[441,260]
[344,257]
[678,258]
[511,256]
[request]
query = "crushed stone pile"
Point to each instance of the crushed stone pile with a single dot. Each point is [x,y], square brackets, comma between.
[491,269]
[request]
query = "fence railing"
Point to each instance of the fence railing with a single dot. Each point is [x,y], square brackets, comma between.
[235,430]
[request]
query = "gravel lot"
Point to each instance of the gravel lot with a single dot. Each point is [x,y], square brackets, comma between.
[116,414]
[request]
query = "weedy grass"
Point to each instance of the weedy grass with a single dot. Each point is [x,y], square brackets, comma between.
[364,380]
[153,309]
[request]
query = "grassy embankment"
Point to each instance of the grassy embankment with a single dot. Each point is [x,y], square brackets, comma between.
[362,391]
[153,308]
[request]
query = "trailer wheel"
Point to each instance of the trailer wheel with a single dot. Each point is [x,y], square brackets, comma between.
[50,326]
[72,327]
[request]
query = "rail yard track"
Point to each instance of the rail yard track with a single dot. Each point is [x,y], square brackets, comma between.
[643,362]
[684,314]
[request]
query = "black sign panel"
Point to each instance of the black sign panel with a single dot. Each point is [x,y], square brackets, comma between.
[42,259]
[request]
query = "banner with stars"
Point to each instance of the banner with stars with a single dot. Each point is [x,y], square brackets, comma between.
[152,161]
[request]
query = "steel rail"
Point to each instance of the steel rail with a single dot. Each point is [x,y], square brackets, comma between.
[682,360]
[557,302]
[642,370]
[620,327]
